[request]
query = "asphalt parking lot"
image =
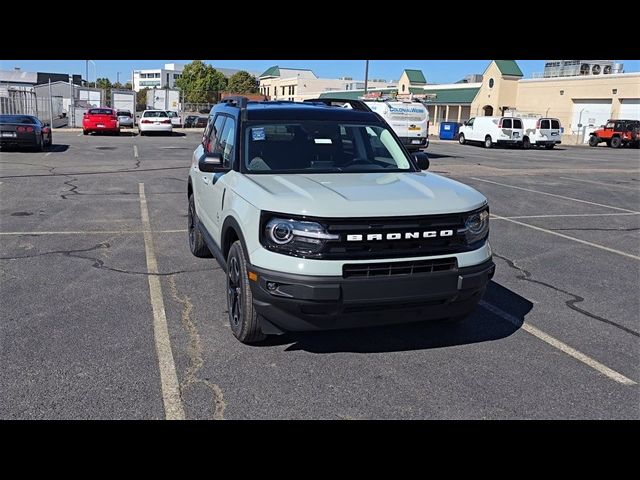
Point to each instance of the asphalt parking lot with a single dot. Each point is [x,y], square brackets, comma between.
[555,337]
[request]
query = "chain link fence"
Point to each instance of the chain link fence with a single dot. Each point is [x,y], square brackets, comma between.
[25,102]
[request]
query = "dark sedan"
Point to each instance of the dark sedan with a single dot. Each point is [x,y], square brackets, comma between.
[188,122]
[200,122]
[24,131]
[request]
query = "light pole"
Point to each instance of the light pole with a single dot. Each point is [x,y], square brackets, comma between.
[366,76]
[118,78]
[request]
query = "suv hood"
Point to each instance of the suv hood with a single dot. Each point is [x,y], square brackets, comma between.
[357,194]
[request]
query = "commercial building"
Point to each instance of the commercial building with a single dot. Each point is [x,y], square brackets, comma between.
[582,99]
[157,77]
[295,84]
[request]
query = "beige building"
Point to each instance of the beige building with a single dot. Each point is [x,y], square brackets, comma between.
[294,84]
[582,103]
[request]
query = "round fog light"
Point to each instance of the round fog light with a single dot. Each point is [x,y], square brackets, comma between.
[271,286]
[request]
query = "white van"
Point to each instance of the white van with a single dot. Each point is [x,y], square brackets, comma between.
[541,132]
[492,131]
[409,120]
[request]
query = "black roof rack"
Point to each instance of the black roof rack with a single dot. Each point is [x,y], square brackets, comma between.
[236,101]
[339,102]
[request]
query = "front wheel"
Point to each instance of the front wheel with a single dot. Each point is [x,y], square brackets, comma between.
[487,142]
[461,139]
[616,142]
[84,132]
[243,319]
[593,141]
[526,143]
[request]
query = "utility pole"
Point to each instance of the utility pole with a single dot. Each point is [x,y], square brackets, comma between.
[72,108]
[117,77]
[86,73]
[366,76]
[50,104]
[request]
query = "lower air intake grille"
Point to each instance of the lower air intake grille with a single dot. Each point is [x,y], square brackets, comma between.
[368,270]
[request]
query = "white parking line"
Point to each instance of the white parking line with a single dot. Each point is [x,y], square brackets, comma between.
[92,232]
[569,215]
[563,347]
[135,151]
[601,247]
[173,408]
[554,195]
[602,183]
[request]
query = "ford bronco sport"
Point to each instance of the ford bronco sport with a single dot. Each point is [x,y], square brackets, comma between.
[321,219]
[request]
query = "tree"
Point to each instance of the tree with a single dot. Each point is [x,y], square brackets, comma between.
[128,86]
[141,99]
[201,83]
[117,86]
[104,83]
[242,82]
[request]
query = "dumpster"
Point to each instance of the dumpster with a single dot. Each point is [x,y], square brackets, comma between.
[449,130]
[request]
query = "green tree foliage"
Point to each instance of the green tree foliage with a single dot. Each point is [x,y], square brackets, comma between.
[104,83]
[201,83]
[128,86]
[141,99]
[242,82]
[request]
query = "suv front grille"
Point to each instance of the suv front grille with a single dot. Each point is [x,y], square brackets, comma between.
[421,247]
[368,270]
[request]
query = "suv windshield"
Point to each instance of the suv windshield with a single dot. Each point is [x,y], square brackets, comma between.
[322,147]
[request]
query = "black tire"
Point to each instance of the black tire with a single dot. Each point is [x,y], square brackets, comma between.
[616,142]
[550,146]
[140,132]
[487,142]
[50,142]
[526,143]
[243,318]
[593,141]
[39,147]
[197,245]
[84,132]
[461,139]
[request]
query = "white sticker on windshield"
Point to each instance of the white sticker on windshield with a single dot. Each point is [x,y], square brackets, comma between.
[258,134]
[322,140]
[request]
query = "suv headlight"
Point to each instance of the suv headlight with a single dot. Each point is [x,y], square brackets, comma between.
[476,226]
[294,237]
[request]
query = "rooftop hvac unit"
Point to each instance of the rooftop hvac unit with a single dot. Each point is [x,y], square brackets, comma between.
[584,69]
[607,70]
[595,69]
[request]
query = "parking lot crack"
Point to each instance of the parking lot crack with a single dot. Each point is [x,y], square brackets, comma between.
[73,190]
[194,351]
[526,275]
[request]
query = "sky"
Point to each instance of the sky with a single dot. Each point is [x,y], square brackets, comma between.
[436,71]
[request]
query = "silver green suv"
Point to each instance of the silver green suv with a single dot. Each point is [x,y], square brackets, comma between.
[322,220]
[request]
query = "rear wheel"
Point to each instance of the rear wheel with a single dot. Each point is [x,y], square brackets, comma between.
[461,139]
[197,245]
[616,142]
[243,319]
[526,143]
[84,132]
[487,142]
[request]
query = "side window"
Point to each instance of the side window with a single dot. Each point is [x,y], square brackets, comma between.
[227,140]
[517,123]
[506,123]
[212,137]
[470,122]
[545,124]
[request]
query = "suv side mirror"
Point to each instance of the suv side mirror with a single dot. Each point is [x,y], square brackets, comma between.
[210,162]
[422,160]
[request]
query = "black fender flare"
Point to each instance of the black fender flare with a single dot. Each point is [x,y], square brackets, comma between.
[231,224]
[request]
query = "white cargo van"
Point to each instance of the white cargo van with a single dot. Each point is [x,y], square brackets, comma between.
[492,131]
[541,132]
[409,120]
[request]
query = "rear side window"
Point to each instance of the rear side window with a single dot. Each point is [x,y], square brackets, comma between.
[545,124]
[506,123]
[517,123]
[555,124]
[155,114]
[100,111]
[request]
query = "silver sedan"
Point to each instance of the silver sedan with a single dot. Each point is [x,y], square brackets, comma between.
[125,118]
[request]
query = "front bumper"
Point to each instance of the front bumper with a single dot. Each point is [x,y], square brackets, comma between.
[303,302]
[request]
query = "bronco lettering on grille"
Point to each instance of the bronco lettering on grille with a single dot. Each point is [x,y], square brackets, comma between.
[399,236]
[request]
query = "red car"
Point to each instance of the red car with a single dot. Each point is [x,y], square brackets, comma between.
[100,120]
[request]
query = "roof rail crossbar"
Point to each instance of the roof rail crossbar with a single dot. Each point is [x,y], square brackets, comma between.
[339,102]
[236,100]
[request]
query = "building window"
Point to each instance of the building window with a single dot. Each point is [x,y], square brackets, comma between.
[176,76]
[282,90]
[167,79]
[403,87]
[561,92]
[614,91]
[491,83]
